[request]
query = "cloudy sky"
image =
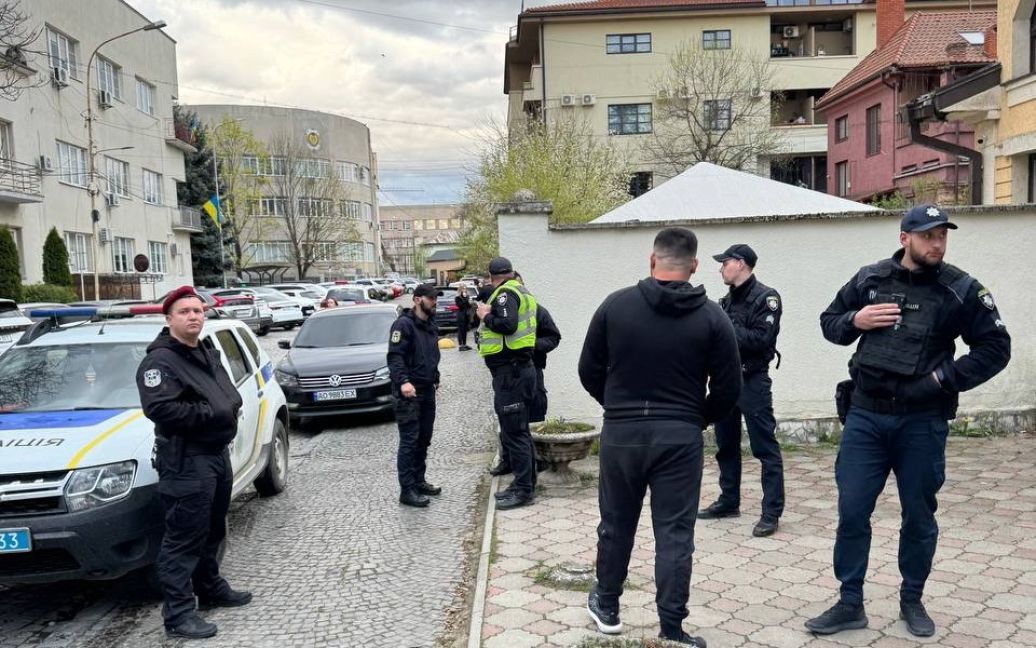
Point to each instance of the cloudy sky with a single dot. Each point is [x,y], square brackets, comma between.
[426,76]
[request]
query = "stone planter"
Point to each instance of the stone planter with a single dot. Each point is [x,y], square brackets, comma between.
[559,449]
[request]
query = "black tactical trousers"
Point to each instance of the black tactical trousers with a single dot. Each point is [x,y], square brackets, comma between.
[756,406]
[462,328]
[195,495]
[415,418]
[667,457]
[513,389]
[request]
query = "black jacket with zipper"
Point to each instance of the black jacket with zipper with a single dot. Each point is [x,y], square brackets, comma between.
[186,392]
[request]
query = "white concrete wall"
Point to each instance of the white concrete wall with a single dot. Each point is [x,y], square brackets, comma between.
[572,270]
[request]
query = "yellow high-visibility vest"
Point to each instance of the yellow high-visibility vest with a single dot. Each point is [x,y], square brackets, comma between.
[524,337]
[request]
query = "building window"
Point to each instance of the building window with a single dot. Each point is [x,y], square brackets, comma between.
[628,43]
[717,114]
[842,128]
[1032,178]
[715,39]
[406,225]
[157,252]
[455,223]
[874,130]
[122,254]
[351,209]
[316,207]
[78,246]
[842,178]
[268,207]
[72,164]
[418,224]
[629,119]
[6,152]
[347,171]
[368,213]
[640,183]
[109,77]
[152,187]
[117,174]
[63,52]
[308,168]
[145,97]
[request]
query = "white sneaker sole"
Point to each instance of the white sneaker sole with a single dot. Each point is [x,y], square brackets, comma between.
[602,626]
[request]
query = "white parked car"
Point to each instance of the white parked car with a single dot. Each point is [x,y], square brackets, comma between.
[78,494]
[308,305]
[284,311]
[311,291]
[12,323]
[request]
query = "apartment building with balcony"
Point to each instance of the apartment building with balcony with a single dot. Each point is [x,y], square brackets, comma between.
[598,61]
[412,231]
[127,206]
[323,144]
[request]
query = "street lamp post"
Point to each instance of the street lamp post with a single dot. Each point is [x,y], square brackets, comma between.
[92,188]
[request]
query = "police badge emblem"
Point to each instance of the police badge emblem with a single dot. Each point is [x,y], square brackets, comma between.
[772,302]
[396,337]
[502,300]
[986,298]
[152,378]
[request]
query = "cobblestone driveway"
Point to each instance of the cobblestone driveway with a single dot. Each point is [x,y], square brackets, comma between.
[333,561]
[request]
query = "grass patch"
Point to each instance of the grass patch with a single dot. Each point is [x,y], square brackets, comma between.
[560,426]
[492,545]
[595,447]
[587,480]
[967,427]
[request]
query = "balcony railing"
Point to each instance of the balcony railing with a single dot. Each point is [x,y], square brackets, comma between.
[179,135]
[187,219]
[19,182]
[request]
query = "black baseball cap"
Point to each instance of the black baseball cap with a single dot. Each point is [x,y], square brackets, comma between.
[499,266]
[923,218]
[739,251]
[427,290]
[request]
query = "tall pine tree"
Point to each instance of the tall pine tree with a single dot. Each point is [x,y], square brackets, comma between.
[55,260]
[198,187]
[10,271]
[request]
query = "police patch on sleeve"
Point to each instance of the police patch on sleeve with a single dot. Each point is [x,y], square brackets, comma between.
[152,378]
[986,298]
[502,300]
[773,302]
[396,336]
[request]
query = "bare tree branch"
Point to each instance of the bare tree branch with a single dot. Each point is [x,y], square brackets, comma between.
[16,40]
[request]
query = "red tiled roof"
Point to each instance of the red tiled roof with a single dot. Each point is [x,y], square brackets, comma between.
[592,6]
[926,40]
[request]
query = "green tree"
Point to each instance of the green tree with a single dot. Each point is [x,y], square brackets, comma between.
[55,260]
[10,271]
[583,176]
[198,186]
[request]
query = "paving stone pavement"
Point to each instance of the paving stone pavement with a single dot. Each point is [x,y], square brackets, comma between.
[332,561]
[758,592]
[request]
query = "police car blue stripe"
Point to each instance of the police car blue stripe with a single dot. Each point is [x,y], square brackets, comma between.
[55,420]
[267,371]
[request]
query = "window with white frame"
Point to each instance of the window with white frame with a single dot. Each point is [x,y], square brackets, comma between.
[250,165]
[347,171]
[157,252]
[145,97]
[269,207]
[316,207]
[122,254]
[367,213]
[109,77]
[312,168]
[78,246]
[117,174]
[370,252]
[63,52]
[351,209]
[152,187]
[717,114]
[72,164]
[269,252]
[6,151]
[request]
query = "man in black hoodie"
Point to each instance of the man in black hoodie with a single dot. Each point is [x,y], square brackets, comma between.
[187,394]
[663,362]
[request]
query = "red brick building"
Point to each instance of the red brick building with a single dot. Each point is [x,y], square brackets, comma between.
[870,153]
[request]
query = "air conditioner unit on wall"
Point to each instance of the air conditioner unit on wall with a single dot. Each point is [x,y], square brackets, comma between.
[112,199]
[174,249]
[104,235]
[589,99]
[44,163]
[568,100]
[59,76]
[791,31]
[104,99]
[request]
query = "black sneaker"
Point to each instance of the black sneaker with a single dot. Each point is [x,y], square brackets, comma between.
[411,497]
[718,510]
[766,526]
[684,638]
[918,622]
[500,469]
[191,626]
[504,494]
[841,616]
[425,488]
[607,621]
[515,500]
[228,599]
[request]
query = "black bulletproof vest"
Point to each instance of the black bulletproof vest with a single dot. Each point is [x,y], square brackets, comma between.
[913,345]
[740,314]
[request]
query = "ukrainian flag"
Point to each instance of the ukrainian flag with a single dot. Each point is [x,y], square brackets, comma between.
[212,209]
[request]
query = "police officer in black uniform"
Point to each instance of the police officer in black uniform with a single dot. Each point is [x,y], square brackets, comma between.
[413,361]
[506,344]
[187,394]
[755,310]
[906,312]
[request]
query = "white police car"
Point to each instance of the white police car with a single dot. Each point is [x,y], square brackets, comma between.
[78,494]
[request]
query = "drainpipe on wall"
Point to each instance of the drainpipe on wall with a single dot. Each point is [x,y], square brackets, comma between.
[974,157]
[543,75]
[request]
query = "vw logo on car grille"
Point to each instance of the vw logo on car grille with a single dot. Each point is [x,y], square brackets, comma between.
[335,380]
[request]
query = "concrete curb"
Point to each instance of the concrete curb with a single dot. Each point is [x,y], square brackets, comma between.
[478,607]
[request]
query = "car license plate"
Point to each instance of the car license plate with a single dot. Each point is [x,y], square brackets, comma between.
[238,312]
[15,540]
[337,394]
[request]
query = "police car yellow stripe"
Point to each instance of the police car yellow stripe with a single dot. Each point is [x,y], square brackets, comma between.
[77,457]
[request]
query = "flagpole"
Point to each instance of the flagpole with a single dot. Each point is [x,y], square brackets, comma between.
[219,214]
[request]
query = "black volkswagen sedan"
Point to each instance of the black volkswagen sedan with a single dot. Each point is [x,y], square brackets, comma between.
[336,364]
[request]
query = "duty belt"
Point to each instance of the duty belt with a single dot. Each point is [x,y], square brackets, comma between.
[896,407]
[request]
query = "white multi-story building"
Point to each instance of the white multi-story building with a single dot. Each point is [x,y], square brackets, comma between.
[96,58]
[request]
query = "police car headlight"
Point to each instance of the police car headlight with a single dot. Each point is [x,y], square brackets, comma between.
[382,374]
[92,487]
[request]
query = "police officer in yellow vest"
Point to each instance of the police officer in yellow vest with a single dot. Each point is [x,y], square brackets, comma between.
[507,341]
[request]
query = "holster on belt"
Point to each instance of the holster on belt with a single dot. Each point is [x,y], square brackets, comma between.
[168,451]
[843,399]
